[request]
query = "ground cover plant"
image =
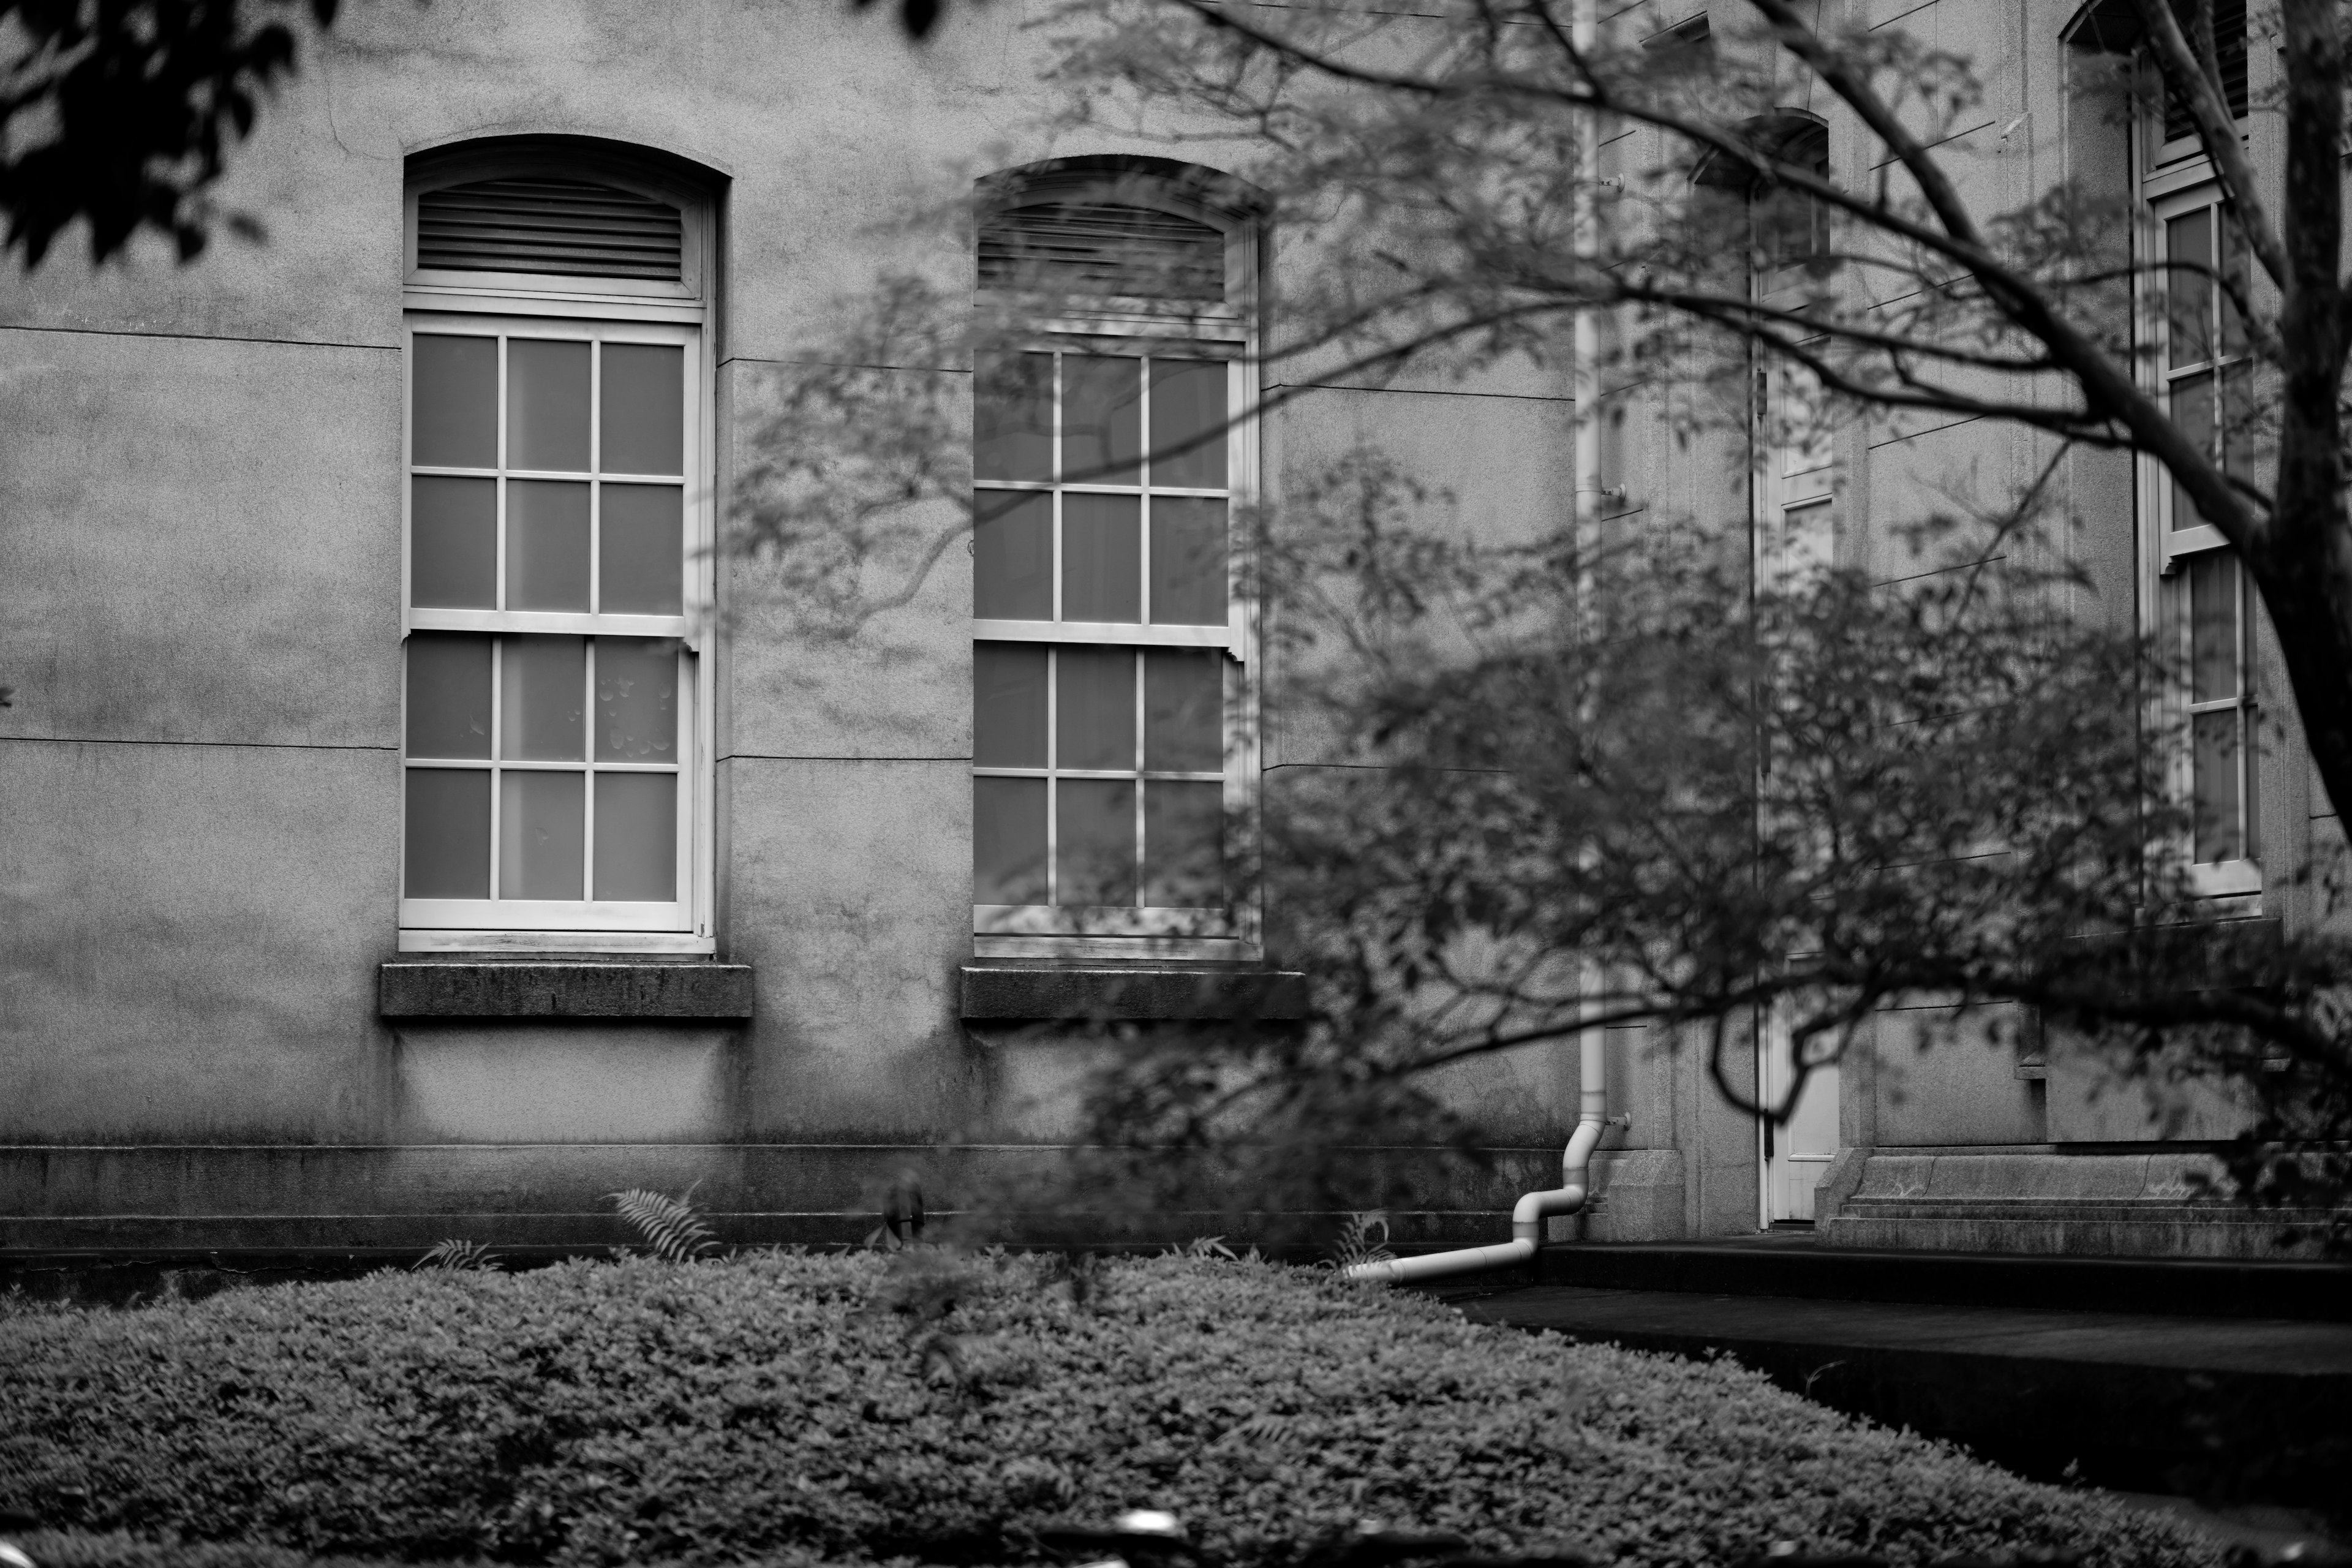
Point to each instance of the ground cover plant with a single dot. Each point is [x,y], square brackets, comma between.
[939,1406]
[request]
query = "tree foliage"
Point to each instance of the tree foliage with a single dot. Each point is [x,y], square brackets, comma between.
[117,114]
[1618,772]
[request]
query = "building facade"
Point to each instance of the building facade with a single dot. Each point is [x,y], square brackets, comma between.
[423,820]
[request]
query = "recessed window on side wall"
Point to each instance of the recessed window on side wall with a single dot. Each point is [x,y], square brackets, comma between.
[2201,605]
[555,761]
[1113,745]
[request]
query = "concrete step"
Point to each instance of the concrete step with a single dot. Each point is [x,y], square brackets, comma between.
[1795,1264]
[2232,1408]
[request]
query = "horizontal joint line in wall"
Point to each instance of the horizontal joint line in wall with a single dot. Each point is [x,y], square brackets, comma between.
[246,745]
[197,337]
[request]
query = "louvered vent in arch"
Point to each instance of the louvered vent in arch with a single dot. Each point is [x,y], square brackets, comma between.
[567,229]
[2229,52]
[1102,247]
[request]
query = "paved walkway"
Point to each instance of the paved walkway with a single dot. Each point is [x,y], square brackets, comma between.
[2242,1407]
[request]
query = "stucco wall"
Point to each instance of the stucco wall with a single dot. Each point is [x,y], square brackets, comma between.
[199,581]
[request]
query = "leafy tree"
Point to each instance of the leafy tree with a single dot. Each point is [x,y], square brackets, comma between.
[1623,776]
[119,113]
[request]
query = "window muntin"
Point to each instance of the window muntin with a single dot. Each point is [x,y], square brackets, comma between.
[549,694]
[1102,602]
[2199,362]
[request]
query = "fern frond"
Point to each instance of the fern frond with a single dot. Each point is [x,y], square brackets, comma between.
[1362,1239]
[457,1253]
[672,1228]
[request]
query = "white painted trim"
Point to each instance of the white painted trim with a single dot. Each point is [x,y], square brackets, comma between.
[418,941]
[1217,949]
[650,924]
[550,621]
[2166,193]
[1229,332]
[594,307]
[1097,919]
[1126,633]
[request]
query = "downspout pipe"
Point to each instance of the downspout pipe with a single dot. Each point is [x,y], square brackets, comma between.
[1528,1216]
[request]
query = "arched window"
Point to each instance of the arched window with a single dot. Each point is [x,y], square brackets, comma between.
[556,563]
[1114,757]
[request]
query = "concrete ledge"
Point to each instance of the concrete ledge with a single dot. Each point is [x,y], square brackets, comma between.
[1040,992]
[565,990]
[2153,1202]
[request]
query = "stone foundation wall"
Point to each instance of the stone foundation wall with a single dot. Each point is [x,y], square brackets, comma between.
[2047,1200]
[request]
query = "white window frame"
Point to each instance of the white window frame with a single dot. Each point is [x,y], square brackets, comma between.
[1227,332]
[2171,187]
[582,308]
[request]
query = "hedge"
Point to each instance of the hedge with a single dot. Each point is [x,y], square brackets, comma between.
[798,1405]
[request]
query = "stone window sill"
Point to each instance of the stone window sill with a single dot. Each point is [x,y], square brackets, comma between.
[508,989]
[1034,993]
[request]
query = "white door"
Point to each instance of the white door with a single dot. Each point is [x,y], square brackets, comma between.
[1797,1152]
[1796,535]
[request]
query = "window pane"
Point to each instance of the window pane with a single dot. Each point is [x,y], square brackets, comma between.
[2241,417]
[1094,830]
[1012,417]
[644,414]
[454,402]
[1013,557]
[1102,558]
[636,837]
[1188,411]
[541,819]
[1008,841]
[636,700]
[1183,844]
[541,699]
[2216,736]
[641,555]
[1183,712]
[2189,242]
[1094,708]
[2192,412]
[2213,628]
[1102,419]
[547,404]
[449,695]
[453,543]
[1188,562]
[2233,267]
[448,833]
[1008,706]
[547,545]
